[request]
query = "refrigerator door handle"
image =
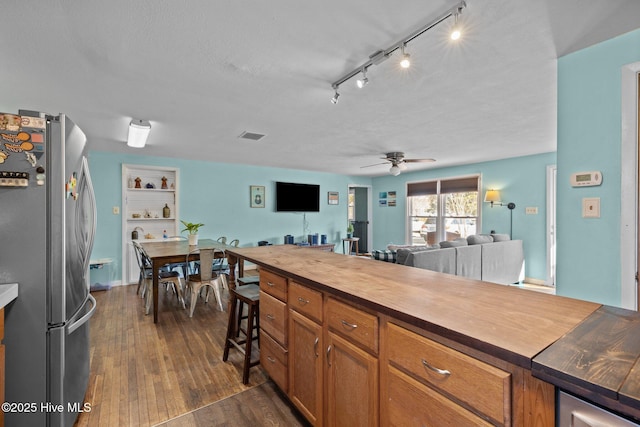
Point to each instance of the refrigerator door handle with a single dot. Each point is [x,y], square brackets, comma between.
[94,219]
[76,324]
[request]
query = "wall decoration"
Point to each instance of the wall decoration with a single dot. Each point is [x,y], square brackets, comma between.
[387,198]
[391,198]
[257,196]
[332,197]
[382,196]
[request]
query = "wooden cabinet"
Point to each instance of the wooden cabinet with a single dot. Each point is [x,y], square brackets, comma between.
[274,354]
[352,384]
[143,210]
[444,380]
[306,368]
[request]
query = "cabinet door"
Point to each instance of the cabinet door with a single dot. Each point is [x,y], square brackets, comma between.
[305,366]
[352,384]
[411,403]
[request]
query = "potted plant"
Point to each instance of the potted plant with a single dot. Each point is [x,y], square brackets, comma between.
[192,228]
[349,229]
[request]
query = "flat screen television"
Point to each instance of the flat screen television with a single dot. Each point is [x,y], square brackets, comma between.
[293,197]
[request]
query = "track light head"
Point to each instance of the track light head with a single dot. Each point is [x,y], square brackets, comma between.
[456,32]
[363,81]
[405,62]
[334,100]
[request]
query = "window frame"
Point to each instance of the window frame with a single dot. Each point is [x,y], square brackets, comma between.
[440,205]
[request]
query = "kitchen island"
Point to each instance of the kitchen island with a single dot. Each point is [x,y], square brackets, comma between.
[353,341]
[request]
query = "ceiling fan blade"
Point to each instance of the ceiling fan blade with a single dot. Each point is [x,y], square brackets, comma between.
[419,160]
[376,164]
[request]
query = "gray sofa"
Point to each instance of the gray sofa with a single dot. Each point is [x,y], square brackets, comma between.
[492,258]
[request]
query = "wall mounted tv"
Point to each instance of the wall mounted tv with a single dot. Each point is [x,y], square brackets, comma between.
[292,197]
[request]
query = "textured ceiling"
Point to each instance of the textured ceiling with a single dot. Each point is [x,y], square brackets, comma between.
[202,72]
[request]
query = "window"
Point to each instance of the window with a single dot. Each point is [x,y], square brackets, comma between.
[442,209]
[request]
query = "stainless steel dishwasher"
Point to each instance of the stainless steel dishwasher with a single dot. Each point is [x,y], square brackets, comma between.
[574,412]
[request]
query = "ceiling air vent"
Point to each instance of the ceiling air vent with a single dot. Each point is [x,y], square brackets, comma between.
[252,136]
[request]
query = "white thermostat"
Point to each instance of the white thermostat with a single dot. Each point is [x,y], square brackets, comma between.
[586,179]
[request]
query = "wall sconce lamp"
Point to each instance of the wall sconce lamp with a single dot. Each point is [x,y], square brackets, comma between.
[493,197]
[138,133]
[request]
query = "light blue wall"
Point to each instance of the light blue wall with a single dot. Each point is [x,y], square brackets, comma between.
[217,194]
[522,180]
[589,138]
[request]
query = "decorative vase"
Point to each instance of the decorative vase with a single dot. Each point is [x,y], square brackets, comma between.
[193,239]
[166,211]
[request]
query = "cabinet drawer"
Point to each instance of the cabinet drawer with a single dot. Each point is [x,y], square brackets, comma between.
[273,359]
[470,381]
[306,301]
[411,403]
[353,324]
[273,284]
[273,317]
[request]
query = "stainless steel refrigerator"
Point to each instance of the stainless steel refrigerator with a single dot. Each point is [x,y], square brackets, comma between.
[47,227]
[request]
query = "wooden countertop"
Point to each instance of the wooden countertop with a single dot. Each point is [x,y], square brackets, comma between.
[504,321]
[598,360]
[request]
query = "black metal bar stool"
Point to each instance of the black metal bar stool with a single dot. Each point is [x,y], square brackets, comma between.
[249,295]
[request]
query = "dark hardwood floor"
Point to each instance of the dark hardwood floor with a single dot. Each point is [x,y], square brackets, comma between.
[144,374]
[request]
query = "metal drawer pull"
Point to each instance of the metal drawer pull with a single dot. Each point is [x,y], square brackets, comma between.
[315,346]
[270,284]
[303,301]
[444,372]
[349,325]
[270,316]
[271,359]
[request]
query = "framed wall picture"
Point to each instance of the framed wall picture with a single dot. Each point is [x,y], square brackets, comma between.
[257,196]
[333,197]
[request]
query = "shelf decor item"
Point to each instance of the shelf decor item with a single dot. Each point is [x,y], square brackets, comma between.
[349,230]
[257,196]
[166,211]
[192,228]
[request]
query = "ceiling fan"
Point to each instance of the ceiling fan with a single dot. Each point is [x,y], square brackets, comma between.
[398,162]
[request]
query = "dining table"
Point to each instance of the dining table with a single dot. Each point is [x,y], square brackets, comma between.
[176,251]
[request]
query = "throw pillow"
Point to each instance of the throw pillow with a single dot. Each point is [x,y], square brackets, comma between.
[501,237]
[388,256]
[403,253]
[454,243]
[478,239]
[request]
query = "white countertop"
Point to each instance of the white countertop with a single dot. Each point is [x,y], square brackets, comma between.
[8,293]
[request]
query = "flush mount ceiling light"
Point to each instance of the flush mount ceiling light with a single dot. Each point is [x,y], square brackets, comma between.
[381,55]
[138,133]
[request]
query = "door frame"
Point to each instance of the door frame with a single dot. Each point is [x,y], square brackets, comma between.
[629,229]
[369,209]
[552,177]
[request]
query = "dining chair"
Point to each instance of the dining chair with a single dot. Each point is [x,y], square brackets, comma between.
[220,265]
[205,278]
[181,265]
[145,280]
[222,239]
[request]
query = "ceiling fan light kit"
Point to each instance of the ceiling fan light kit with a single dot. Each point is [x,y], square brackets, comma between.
[399,162]
[382,55]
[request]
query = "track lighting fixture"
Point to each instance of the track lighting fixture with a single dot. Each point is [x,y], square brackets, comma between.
[405,62]
[334,100]
[363,81]
[455,31]
[383,54]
